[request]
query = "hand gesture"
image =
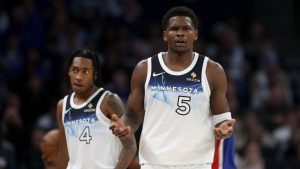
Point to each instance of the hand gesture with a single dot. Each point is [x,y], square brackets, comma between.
[224,129]
[118,127]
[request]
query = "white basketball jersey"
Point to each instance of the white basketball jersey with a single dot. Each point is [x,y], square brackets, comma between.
[91,145]
[178,127]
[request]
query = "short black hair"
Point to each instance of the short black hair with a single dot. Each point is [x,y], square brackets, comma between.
[179,11]
[97,63]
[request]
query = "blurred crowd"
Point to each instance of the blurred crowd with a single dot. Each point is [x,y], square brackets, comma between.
[36,38]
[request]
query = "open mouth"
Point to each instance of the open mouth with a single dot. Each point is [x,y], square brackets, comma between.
[77,86]
[180,42]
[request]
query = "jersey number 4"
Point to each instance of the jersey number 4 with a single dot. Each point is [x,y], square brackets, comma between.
[183,105]
[86,135]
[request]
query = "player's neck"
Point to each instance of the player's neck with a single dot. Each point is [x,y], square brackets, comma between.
[180,56]
[178,61]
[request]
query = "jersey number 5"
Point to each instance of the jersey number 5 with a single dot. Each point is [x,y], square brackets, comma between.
[85,135]
[183,105]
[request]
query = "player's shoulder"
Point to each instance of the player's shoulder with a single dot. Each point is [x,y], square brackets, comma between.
[111,98]
[59,108]
[142,64]
[111,95]
[215,74]
[213,66]
[60,102]
[140,70]
[112,104]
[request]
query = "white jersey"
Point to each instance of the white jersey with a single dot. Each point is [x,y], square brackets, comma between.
[178,127]
[91,144]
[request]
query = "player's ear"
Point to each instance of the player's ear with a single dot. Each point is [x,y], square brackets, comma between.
[196,35]
[165,36]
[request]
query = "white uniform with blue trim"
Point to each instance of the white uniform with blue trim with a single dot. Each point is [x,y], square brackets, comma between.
[90,142]
[178,127]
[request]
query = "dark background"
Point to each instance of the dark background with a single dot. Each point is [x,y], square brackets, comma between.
[256,41]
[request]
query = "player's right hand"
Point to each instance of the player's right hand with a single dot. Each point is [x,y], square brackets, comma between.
[224,129]
[118,127]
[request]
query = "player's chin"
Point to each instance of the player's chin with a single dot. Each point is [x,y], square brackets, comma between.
[77,90]
[181,49]
[80,90]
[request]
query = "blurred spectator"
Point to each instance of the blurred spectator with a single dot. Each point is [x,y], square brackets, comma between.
[229,52]
[257,35]
[4,92]
[33,158]
[7,153]
[4,21]
[233,100]
[293,150]
[284,133]
[253,158]
[37,36]
[14,131]
[251,129]
[119,84]
[47,121]
[12,60]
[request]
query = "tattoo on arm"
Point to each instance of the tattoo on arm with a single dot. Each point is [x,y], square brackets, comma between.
[128,152]
[115,105]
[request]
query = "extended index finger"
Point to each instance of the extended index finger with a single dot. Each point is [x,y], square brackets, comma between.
[115,118]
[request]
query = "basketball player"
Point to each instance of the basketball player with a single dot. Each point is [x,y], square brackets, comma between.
[84,117]
[182,97]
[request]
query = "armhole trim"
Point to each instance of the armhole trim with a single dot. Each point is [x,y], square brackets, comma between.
[205,84]
[149,70]
[102,118]
[64,108]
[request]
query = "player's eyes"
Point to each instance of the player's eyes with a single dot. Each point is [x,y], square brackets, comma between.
[86,71]
[187,28]
[173,29]
[74,70]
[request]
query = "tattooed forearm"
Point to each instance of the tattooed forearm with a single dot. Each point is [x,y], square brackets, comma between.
[128,142]
[128,152]
[115,104]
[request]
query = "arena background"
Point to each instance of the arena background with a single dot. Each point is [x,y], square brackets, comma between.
[256,41]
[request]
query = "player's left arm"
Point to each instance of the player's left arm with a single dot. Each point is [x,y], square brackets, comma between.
[114,108]
[218,100]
